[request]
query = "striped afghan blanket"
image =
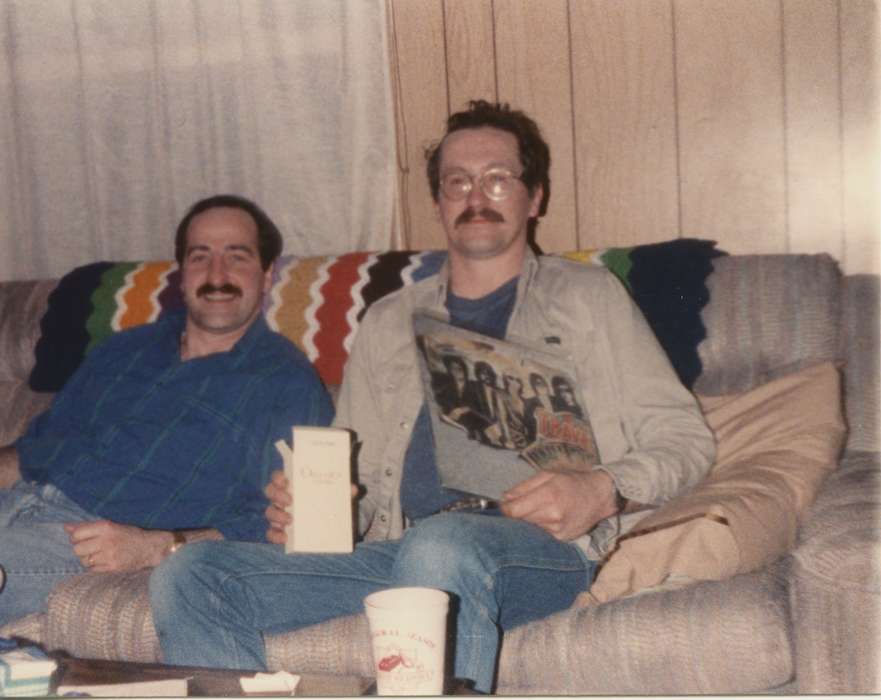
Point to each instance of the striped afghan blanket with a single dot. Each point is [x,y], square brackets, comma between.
[318,302]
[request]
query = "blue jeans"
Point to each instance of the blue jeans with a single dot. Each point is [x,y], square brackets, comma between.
[35,552]
[212,601]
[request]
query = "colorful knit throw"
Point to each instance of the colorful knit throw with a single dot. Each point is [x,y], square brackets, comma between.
[318,302]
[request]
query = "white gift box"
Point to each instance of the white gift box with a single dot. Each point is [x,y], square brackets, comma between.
[24,671]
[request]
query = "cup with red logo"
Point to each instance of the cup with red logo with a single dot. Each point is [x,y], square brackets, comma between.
[408,631]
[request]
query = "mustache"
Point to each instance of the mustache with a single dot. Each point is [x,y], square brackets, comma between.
[472,213]
[227,288]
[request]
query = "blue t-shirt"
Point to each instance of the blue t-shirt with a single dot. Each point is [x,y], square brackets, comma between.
[140,437]
[421,490]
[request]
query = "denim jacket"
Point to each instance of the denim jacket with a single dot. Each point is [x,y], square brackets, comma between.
[650,434]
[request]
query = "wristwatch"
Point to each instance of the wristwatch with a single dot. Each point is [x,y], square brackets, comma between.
[179,541]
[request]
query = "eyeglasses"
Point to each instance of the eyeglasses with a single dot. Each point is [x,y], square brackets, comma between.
[496,183]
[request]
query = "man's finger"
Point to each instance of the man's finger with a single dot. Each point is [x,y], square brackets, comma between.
[524,506]
[85,550]
[276,536]
[80,532]
[527,486]
[278,517]
[279,496]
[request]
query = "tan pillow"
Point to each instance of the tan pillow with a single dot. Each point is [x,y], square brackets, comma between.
[774,446]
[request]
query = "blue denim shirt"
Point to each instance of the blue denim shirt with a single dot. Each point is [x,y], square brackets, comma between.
[139,437]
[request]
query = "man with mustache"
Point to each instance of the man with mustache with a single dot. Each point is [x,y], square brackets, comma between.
[505,567]
[166,432]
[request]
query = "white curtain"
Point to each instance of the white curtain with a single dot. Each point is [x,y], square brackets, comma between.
[116,115]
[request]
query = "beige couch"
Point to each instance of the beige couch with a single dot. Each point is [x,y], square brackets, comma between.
[809,622]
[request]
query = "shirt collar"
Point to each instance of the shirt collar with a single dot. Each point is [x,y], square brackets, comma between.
[527,274]
[176,322]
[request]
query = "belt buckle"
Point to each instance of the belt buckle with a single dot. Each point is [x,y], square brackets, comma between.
[473,503]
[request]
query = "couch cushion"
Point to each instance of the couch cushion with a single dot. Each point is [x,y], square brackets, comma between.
[22,304]
[18,407]
[775,444]
[767,314]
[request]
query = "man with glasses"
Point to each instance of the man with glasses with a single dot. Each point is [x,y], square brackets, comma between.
[505,564]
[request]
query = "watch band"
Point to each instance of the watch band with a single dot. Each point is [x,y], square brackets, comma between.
[179,541]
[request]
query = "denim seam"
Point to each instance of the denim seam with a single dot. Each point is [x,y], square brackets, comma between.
[317,574]
[43,572]
[229,639]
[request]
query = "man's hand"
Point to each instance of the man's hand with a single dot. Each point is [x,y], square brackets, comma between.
[278,493]
[102,545]
[565,504]
[9,470]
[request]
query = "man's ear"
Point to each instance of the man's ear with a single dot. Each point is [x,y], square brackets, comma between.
[267,277]
[535,201]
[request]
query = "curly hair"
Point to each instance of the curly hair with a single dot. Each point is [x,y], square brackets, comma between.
[535,156]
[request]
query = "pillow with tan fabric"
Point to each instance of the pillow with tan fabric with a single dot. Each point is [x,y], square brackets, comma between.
[775,444]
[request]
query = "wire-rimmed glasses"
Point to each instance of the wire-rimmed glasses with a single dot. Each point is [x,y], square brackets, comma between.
[496,183]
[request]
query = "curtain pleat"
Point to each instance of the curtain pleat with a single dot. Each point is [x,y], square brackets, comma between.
[116,115]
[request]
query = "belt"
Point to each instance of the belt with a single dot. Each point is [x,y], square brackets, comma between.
[471,503]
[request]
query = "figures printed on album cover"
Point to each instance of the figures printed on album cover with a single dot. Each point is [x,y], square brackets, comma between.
[508,401]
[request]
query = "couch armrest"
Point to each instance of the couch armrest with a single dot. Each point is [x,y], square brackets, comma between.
[29,628]
[713,637]
[339,646]
[103,616]
[860,346]
[835,591]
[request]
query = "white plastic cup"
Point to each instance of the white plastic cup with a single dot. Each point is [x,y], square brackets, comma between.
[408,632]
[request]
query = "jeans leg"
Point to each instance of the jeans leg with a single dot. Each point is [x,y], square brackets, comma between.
[35,551]
[502,573]
[212,601]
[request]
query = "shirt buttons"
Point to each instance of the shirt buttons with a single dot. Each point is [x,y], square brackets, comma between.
[383,517]
[404,425]
[388,472]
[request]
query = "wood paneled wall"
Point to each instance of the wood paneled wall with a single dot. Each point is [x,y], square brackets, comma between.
[751,122]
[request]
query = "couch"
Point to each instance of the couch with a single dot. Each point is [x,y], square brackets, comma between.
[806,621]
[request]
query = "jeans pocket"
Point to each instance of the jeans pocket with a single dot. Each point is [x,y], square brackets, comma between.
[44,503]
